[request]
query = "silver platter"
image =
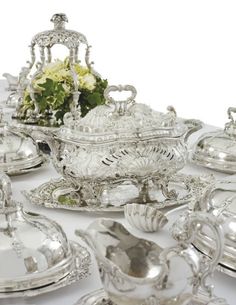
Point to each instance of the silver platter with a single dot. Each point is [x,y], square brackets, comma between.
[15,172]
[221,267]
[99,297]
[79,269]
[59,193]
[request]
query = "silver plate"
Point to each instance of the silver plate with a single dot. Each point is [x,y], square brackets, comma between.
[79,269]
[99,297]
[42,164]
[221,267]
[59,193]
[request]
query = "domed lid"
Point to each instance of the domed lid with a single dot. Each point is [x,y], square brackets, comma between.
[59,35]
[122,120]
[217,149]
[18,151]
[220,200]
[34,251]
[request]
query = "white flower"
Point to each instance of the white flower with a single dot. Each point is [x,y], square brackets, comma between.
[88,81]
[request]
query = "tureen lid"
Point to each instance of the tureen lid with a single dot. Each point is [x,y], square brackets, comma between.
[219,200]
[59,35]
[123,120]
[217,149]
[34,251]
[18,151]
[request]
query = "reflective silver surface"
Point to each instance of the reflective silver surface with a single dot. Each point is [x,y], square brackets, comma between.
[144,217]
[59,193]
[35,254]
[217,150]
[220,201]
[19,153]
[99,297]
[136,271]
[117,142]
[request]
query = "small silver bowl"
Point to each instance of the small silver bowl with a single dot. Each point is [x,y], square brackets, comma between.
[144,217]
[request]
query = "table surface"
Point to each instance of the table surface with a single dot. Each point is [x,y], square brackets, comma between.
[69,220]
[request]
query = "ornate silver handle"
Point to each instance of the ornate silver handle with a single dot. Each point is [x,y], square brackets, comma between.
[184,231]
[120,88]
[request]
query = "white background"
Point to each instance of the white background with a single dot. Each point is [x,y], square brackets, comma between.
[176,52]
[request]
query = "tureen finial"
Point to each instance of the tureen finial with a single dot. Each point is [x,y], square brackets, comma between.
[59,21]
[5,192]
[230,127]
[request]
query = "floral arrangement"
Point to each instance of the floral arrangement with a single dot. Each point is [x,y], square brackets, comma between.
[54,92]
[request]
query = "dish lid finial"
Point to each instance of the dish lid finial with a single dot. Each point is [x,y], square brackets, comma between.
[230,127]
[6,201]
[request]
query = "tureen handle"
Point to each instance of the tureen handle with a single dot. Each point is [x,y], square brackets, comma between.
[230,127]
[120,106]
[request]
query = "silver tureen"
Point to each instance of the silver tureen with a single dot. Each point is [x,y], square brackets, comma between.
[19,153]
[220,201]
[217,149]
[118,142]
[35,255]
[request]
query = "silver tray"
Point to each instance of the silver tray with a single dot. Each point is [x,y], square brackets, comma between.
[59,193]
[42,164]
[79,269]
[221,267]
[99,297]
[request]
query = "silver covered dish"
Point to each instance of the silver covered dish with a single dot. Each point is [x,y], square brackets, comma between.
[19,153]
[35,254]
[119,141]
[220,201]
[217,149]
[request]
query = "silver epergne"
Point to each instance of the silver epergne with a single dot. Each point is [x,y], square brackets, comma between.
[42,43]
[118,142]
[35,255]
[135,271]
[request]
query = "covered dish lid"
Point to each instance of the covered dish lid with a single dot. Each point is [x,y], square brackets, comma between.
[217,149]
[34,251]
[219,200]
[18,151]
[123,120]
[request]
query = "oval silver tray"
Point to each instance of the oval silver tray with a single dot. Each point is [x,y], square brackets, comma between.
[99,297]
[79,269]
[17,172]
[59,193]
